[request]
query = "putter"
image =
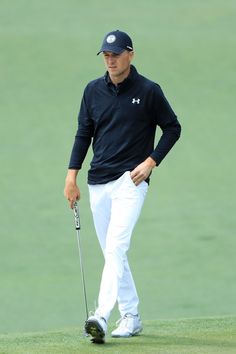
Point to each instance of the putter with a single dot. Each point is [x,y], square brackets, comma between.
[77,227]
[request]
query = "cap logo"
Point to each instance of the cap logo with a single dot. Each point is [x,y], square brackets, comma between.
[111,38]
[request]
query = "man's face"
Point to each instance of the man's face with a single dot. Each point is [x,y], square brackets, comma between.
[118,65]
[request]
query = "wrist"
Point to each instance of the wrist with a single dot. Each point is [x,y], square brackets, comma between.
[151,162]
[71,176]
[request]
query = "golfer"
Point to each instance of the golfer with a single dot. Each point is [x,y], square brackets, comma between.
[119,114]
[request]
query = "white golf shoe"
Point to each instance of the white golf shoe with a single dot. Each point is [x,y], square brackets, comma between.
[129,325]
[96,326]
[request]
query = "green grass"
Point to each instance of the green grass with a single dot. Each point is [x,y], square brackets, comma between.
[183,249]
[190,336]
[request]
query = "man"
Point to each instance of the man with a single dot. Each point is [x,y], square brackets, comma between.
[119,113]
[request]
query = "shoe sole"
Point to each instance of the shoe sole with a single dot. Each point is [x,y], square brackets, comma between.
[93,328]
[135,333]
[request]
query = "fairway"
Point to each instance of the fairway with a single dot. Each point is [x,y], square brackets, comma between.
[195,336]
[183,248]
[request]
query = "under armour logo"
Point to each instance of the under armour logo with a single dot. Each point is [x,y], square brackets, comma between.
[136,100]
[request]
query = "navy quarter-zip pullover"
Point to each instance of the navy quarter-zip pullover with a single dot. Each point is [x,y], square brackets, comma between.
[121,122]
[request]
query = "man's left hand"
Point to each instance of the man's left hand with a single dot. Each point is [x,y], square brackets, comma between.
[142,171]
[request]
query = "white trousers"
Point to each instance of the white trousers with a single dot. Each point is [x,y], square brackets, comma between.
[116,207]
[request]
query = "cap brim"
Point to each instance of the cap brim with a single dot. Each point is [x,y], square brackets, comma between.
[116,50]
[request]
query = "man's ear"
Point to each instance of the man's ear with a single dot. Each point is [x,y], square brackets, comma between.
[131,55]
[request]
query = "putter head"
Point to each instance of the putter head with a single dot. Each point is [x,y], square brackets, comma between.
[85,334]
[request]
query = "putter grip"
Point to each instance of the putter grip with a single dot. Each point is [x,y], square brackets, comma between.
[76,214]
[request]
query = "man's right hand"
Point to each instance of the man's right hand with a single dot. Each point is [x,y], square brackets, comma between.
[71,190]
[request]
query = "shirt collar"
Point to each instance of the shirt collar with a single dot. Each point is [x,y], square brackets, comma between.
[131,77]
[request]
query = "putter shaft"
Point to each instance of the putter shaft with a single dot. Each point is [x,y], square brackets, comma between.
[77,227]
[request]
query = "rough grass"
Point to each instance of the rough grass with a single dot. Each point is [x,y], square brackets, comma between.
[190,336]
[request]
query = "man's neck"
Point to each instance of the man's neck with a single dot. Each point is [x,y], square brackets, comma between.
[116,80]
